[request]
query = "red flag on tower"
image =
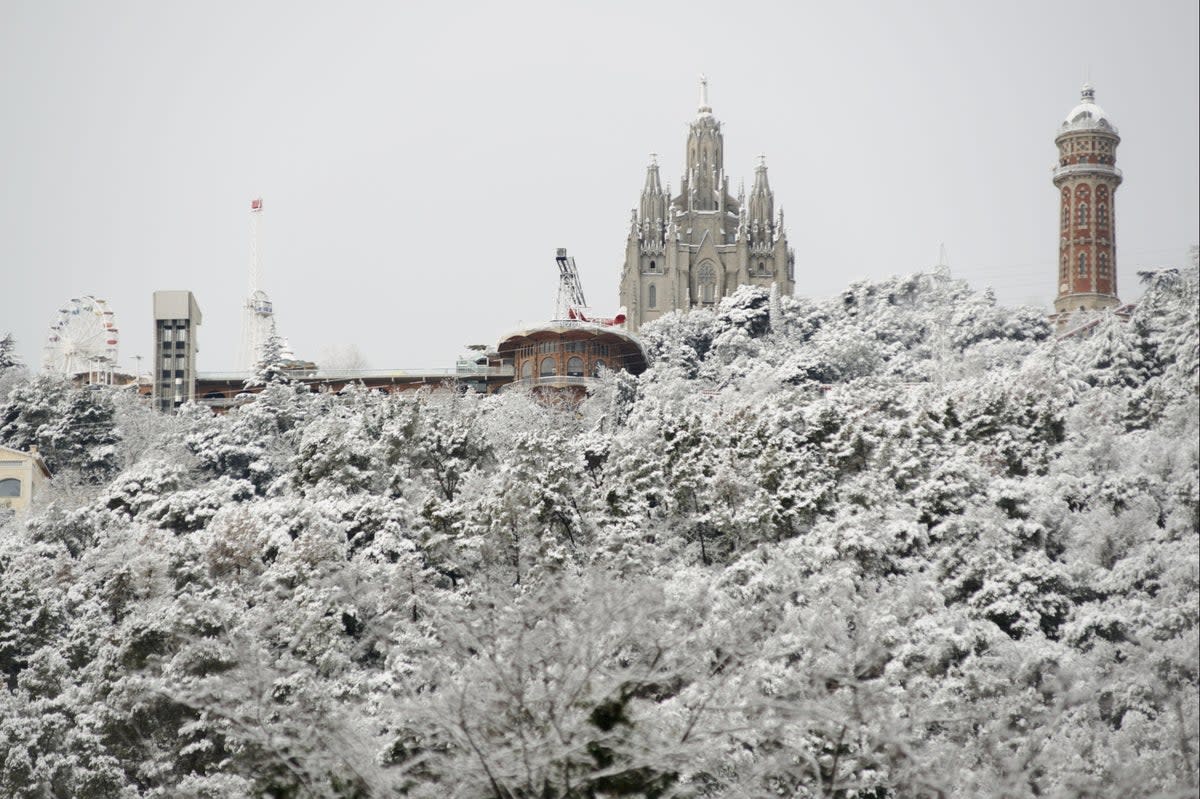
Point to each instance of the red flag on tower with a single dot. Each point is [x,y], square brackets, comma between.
[256,205]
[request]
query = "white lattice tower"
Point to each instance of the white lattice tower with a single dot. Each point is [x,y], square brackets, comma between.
[570,288]
[257,312]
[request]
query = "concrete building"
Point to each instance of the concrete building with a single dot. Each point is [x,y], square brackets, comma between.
[21,473]
[176,319]
[691,250]
[1087,179]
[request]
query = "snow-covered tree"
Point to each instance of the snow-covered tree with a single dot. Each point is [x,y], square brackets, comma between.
[73,428]
[898,542]
[8,354]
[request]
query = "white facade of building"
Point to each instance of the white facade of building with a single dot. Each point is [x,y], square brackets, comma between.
[21,473]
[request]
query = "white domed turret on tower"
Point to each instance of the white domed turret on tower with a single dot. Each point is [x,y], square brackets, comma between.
[1087,179]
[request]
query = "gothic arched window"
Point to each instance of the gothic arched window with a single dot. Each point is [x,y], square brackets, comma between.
[706,277]
[1083,215]
[1083,264]
[1066,214]
[653,296]
[1102,264]
[1102,215]
[652,266]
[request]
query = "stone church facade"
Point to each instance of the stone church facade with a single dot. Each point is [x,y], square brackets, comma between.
[690,250]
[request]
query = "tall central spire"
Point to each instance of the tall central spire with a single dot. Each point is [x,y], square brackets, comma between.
[703,181]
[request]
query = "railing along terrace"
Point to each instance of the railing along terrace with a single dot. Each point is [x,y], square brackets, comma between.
[552,381]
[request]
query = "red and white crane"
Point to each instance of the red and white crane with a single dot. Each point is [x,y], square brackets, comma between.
[571,303]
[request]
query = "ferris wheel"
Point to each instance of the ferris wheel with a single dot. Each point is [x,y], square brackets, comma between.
[83,339]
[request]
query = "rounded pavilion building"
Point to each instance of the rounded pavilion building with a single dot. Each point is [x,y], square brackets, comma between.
[568,354]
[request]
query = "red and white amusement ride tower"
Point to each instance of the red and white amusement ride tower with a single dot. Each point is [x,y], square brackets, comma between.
[258,313]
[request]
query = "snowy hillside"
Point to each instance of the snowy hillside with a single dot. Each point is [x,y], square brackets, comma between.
[901,543]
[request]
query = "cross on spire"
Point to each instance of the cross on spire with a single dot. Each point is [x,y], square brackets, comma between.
[704,106]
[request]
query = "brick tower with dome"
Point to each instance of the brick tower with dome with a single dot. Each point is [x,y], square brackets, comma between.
[1087,179]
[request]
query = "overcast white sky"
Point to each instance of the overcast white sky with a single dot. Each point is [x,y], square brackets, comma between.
[420,163]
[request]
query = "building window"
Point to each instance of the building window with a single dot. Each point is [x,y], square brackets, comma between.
[548,368]
[10,487]
[653,294]
[166,334]
[1066,215]
[1083,215]
[575,366]
[652,266]
[1083,265]
[1102,215]
[1102,264]
[707,278]
[527,368]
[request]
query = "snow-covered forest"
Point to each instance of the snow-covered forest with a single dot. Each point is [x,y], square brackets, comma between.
[900,543]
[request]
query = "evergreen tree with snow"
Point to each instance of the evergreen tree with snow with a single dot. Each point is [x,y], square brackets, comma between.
[74,428]
[272,365]
[899,542]
[8,354]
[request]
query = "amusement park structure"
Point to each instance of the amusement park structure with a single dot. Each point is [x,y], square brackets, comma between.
[258,313]
[575,348]
[571,303]
[83,340]
[562,358]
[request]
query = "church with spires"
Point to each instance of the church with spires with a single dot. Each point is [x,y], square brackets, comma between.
[690,250]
